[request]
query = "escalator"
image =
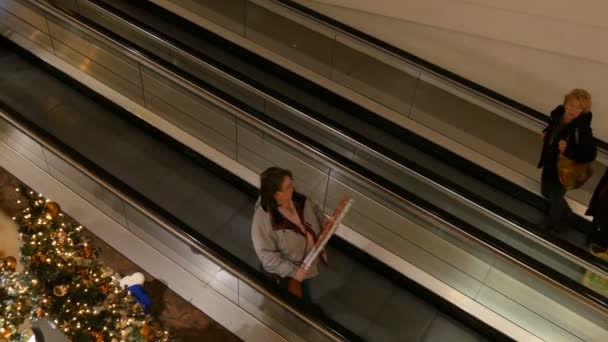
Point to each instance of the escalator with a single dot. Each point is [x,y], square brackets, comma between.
[352,133]
[359,298]
[374,146]
[400,210]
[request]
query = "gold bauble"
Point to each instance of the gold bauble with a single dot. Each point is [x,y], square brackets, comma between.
[10,263]
[39,258]
[82,271]
[61,237]
[104,289]
[145,329]
[52,209]
[97,336]
[39,312]
[31,227]
[153,327]
[60,290]
[87,251]
[6,332]
[88,283]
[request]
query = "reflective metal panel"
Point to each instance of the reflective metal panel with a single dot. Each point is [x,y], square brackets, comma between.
[549,258]
[306,158]
[252,160]
[87,188]
[10,23]
[249,136]
[94,50]
[372,78]
[307,179]
[309,130]
[289,39]
[457,118]
[196,68]
[23,144]
[71,5]
[520,315]
[99,72]
[387,204]
[197,108]
[226,284]
[124,30]
[445,328]
[532,283]
[228,14]
[190,125]
[169,245]
[427,191]
[543,306]
[359,220]
[26,13]
[276,317]
[301,169]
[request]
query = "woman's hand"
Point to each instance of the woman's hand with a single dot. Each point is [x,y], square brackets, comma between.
[562,146]
[301,274]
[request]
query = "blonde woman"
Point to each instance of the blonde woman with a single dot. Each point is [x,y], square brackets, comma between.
[569,134]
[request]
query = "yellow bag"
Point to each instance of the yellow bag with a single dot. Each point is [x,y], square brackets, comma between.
[573,174]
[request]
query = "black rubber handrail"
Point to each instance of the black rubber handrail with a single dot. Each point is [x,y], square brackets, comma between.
[362,257]
[423,63]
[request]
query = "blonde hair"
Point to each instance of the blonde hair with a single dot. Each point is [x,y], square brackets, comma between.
[582,96]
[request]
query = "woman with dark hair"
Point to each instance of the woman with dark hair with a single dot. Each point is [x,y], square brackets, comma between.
[285,226]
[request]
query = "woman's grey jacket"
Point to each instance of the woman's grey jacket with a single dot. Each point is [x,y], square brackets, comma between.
[279,244]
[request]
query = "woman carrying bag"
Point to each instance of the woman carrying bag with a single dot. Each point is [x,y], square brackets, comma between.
[568,150]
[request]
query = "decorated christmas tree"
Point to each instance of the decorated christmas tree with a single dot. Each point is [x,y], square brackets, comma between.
[64,280]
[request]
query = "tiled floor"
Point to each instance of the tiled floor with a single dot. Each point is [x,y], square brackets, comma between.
[185,322]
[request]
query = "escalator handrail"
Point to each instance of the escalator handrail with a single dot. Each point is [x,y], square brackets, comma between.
[506,252]
[423,64]
[574,255]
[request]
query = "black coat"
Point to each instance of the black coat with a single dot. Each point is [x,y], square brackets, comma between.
[581,146]
[599,200]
